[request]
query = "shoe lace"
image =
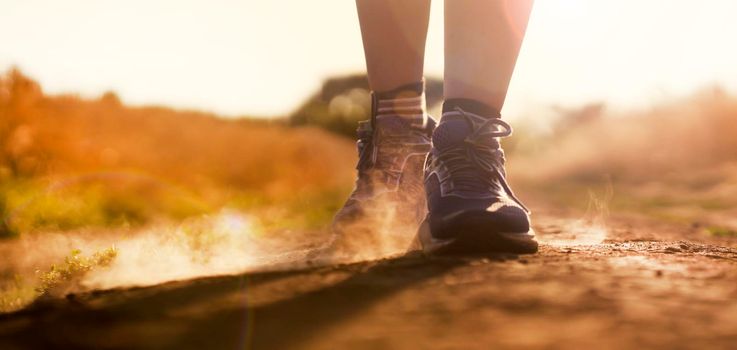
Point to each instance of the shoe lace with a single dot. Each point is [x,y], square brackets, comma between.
[369,149]
[372,165]
[483,149]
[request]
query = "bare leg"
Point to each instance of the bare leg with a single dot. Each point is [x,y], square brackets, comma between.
[394,33]
[471,206]
[482,42]
[383,212]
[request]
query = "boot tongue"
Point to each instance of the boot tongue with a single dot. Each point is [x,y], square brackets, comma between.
[450,133]
[453,131]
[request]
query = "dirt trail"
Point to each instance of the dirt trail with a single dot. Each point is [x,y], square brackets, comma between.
[632,284]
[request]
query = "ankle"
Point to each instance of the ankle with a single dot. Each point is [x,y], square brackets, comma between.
[451,105]
[407,90]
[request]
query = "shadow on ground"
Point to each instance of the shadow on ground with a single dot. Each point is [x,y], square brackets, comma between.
[274,310]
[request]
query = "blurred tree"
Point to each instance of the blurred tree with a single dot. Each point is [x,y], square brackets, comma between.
[18,95]
[110,98]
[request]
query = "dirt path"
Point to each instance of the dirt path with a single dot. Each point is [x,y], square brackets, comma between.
[634,284]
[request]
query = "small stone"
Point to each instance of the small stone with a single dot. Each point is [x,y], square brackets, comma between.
[658,273]
[671,250]
[480,262]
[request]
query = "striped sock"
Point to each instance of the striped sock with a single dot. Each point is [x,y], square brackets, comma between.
[407,102]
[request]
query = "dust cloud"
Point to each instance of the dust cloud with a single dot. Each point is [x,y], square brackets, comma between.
[591,229]
[224,243]
[228,242]
[232,242]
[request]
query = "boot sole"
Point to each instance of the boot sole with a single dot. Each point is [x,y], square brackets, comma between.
[475,238]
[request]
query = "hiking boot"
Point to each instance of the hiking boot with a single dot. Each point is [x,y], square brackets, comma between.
[388,201]
[471,207]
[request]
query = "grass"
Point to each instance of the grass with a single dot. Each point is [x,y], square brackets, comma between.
[302,210]
[74,267]
[36,205]
[718,231]
[29,205]
[676,204]
[18,292]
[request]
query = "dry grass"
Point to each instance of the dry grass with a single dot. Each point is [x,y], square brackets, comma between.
[75,266]
[67,162]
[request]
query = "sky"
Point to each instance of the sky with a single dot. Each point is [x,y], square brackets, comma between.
[263,58]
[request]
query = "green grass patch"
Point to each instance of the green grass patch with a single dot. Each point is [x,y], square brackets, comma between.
[35,205]
[31,205]
[718,231]
[304,210]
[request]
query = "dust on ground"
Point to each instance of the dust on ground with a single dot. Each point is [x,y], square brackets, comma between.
[629,282]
